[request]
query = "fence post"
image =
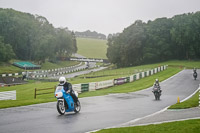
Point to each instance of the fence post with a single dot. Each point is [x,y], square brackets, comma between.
[35,94]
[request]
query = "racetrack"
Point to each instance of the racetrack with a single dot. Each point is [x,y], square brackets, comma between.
[97,112]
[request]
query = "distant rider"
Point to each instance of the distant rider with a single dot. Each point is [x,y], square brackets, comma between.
[195,73]
[68,87]
[156,84]
[195,70]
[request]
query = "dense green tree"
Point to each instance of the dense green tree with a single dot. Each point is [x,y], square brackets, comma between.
[6,51]
[159,40]
[32,37]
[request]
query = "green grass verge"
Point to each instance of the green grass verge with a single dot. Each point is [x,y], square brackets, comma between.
[192,102]
[188,126]
[124,72]
[112,73]
[92,48]
[6,68]
[25,93]
[134,86]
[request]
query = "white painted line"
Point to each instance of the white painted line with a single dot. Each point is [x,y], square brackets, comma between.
[158,112]
[190,95]
[137,119]
[193,118]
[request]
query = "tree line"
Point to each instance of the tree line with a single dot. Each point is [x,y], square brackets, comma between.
[155,41]
[90,34]
[31,37]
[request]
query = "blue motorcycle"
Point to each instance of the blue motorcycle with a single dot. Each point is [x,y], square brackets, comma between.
[65,102]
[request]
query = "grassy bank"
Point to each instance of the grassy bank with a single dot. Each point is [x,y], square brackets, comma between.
[134,86]
[25,93]
[92,48]
[6,68]
[192,102]
[189,126]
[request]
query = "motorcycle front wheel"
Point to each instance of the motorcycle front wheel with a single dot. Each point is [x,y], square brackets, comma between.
[77,107]
[60,107]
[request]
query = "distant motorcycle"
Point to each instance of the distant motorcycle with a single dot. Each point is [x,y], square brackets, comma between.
[65,102]
[157,92]
[195,75]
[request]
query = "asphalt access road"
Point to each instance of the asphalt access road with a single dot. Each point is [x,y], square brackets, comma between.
[97,112]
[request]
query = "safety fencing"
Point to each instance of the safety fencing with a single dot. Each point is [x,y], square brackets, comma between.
[109,83]
[92,86]
[44,73]
[8,95]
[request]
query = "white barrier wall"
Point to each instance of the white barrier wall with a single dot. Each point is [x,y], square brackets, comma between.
[92,86]
[137,76]
[8,95]
[161,68]
[147,73]
[155,69]
[104,84]
[158,69]
[143,75]
[77,87]
[131,78]
[152,72]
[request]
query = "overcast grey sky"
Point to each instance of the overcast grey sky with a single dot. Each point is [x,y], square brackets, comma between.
[104,16]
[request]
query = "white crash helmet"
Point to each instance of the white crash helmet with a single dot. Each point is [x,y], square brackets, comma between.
[62,80]
[157,81]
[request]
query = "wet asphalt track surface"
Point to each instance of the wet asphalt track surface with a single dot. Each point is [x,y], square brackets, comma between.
[97,112]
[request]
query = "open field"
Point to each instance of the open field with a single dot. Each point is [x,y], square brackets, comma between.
[92,48]
[188,126]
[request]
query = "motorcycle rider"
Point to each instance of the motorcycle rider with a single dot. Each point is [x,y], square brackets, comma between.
[156,84]
[68,87]
[195,73]
[195,70]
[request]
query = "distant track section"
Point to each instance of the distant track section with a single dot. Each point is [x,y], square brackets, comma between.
[89,60]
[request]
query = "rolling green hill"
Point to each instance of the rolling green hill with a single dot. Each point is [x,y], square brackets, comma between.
[92,48]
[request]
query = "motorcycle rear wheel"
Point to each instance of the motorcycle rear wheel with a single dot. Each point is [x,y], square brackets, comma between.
[156,95]
[60,107]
